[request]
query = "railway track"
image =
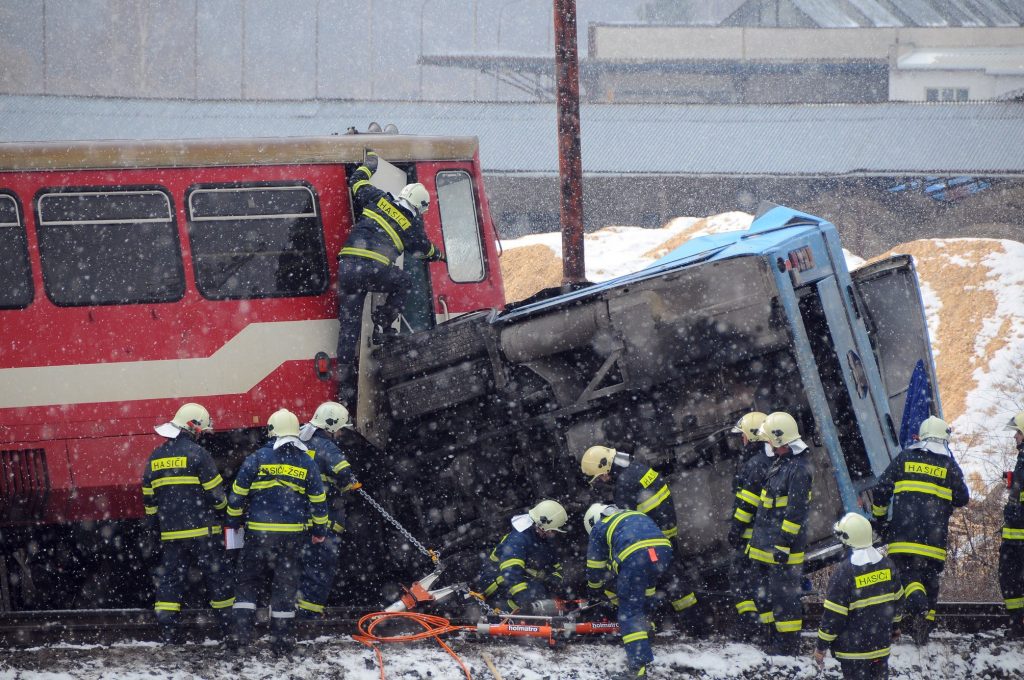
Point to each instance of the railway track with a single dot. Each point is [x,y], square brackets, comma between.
[105,626]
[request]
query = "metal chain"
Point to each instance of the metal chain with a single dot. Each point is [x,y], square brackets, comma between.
[434,555]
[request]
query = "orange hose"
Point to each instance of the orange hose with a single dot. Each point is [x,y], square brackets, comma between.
[433,627]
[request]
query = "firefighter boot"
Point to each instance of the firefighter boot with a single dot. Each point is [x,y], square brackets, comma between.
[282,638]
[747,629]
[1016,629]
[920,629]
[224,623]
[785,644]
[633,673]
[244,621]
[170,632]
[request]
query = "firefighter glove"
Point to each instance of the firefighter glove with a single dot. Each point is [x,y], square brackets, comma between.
[371,161]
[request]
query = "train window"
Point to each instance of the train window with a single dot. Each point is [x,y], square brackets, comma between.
[459,226]
[257,241]
[109,247]
[16,289]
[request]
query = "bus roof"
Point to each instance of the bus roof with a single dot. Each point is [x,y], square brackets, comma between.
[101,155]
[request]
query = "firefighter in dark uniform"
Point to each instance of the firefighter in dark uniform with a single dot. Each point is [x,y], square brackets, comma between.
[523,571]
[320,560]
[924,485]
[1011,550]
[776,548]
[747,485]
[862,603]
[639,487]
[278,491]
[184,500]
[630,545]
[386,226]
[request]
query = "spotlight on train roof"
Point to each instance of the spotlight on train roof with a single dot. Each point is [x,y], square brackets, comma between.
[374,128]
[391,129]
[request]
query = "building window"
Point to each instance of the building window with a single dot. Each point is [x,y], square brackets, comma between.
[256,241]
[109,246]
[459,226]
[16,289]
[946,94]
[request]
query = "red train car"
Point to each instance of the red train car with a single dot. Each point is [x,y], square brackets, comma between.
[139,275]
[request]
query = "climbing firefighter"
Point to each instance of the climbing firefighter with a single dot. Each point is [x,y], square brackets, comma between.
[776,547]
[1011,551]
[924,485]
[861,606]
[747,485]
[523,571]
[641,488]
[631,546]
[278,491]
[320,560]
[387,226]
[184,501]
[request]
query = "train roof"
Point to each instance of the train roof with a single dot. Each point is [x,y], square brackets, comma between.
[183,153]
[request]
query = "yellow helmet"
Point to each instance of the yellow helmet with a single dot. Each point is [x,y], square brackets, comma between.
[853,530]
[549,515]
[934,428]
[779,429]
[594,514]
[596,461]
[193,418]
[1016,423]
[283,423]
[330,416]
[749,424]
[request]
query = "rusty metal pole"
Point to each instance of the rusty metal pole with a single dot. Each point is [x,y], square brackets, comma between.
[570,166]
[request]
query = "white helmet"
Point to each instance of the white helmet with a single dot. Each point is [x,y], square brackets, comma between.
[934,428]
[853,530]
[416,195]
[749,424]
[331,416]
[1016,423]
[549,515]
[596,461]
[283,423]
[192,418]
[594,514]
[778,429]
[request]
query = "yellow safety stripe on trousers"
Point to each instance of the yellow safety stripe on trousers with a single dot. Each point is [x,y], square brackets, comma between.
[790,527]
[743,516]
[221,505]
[655,500]
[185,533]
[596,585]
[836,607]
[907,548]
[518,588]
[670,533]
[363,252]
[649,592]
[793,626]
[877,654]
[747,533]
[150,509]
[879,510]
[213,483]
[222,604]
[776,502]
[311,606]
[766,617]
[234,512]
[167,606]
[684,602]
[1013,534]
[827,637]
[515,561]
[749,497]
[239,490]
[913,587]
[930,615]
[746,607]
[634,637]
[272,526]
[871,601]
[767,557]
[340,466]
[640,545]
[147,491]
[494,586]
[909,486]
[379,219]
[1014,603]
[171,481]
[595,564]
[320,519]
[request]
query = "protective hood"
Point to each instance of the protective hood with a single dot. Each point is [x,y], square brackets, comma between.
[281,441]
[768,450]
[936,446]
[522,522]
[169,430]
[797,446]
[307,431]
[862,556]
[621,459]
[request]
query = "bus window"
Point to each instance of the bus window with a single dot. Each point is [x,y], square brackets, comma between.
[109,247]
[256,241]
[15,276]
[459,226]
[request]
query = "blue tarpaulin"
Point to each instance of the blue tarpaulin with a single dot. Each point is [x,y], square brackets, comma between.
[918,405]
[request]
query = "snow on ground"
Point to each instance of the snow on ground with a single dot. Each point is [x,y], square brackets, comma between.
[946,657]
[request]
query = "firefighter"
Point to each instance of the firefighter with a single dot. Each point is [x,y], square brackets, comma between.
[320,560]
[639,487]
[924,484]
[523,571]
[278,491]
[862,603]
[747,484]
[776,547]
[630,545]
[184,500]
[386,227]
[1011,551]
